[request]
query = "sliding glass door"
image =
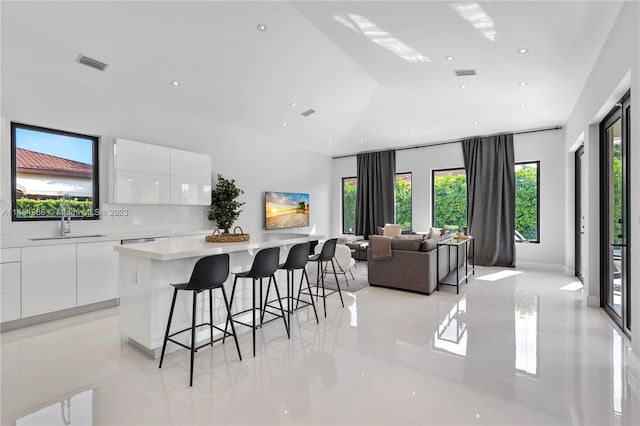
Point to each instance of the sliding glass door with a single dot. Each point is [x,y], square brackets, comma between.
[614,151]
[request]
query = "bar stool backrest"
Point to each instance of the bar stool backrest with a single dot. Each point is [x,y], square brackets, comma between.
[297,257]
[209,272]
[265,263]
[328,250]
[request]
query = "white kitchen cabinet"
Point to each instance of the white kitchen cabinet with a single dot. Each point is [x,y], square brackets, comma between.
[142,188]
[190,178]
[97,272]
[142,157]
[151,174]
[185,190]
[141,173]
[10,291]
[48,279]
[190,164]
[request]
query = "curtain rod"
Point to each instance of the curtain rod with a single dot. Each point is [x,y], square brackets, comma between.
[426,145]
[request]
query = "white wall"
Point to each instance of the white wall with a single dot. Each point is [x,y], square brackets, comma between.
[616,70]
[48,100]
[547,147]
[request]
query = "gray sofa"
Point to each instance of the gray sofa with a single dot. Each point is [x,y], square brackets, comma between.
[412,266]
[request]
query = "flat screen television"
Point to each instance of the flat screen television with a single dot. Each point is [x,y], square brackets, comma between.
[286,210]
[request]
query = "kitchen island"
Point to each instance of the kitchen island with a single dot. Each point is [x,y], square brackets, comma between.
[146,270]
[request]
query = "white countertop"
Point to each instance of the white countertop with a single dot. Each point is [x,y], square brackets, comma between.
[197,247]
[74,238]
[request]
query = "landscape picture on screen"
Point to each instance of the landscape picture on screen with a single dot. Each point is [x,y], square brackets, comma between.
[286,210]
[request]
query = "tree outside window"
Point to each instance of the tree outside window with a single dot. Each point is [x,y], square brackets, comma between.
[349,192]
[403,200]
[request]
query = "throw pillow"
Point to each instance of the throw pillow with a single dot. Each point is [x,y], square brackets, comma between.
[391,230]
[428,244]
[435,232]
[427,235]
[405,244]
[380,230]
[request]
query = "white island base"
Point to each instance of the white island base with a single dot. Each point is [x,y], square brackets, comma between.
[146,271]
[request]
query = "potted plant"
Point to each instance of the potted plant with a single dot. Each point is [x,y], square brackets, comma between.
[224,209]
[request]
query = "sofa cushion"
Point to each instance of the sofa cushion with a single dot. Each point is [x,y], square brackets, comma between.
[408,244]
[428,244]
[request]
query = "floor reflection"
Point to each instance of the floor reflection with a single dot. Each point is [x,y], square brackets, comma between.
[451,335]
[76,410]
[527,323]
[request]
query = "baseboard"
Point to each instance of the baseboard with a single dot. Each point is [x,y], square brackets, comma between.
[554,267]
[52,316]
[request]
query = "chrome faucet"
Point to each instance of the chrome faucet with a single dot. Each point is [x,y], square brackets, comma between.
[65,223]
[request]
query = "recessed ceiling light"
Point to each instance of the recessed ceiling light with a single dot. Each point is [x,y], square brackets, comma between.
[284,124]
[413,133]
[522,83]
[463,86]
[293,103]
[449,58]
[523,50]
[175,83]
[330,141]
[262,27]
[362,141]
[475,122]
[523,105]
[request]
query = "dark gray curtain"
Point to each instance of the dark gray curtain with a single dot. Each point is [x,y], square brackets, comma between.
[375,204]
[491,198]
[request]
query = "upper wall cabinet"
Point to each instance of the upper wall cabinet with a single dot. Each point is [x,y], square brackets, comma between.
[190,178]
[151,174]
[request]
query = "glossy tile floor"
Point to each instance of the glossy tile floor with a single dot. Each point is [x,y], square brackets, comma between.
[515,347]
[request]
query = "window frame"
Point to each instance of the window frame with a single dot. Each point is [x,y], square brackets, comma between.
[342,202]
[395,204]
[537,240]
[448,169]
[433,197]
[94,171]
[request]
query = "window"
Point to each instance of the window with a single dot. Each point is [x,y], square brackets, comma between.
[449,189]
[527,202]
[349,191]
[46,164]
[403,200]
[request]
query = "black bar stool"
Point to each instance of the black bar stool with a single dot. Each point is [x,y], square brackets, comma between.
[296,260]
[265,264]
[324,257]
[209,273]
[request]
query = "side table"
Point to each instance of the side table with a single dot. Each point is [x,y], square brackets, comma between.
[469,246]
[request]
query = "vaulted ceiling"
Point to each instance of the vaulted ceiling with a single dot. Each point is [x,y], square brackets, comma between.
[376,73]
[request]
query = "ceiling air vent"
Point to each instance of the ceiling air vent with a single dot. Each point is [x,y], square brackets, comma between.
[308,112]
[90,62]
[463,73]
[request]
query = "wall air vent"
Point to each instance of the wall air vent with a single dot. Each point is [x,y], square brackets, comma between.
[463,73]
[308,112]
[90,62]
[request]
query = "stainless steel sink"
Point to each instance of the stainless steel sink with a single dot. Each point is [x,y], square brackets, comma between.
[66,237]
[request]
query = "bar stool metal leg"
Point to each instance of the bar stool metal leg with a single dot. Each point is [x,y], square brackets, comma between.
[211,314]
[337,283]
[233,328]
[166,334]
[193,336]
[305,276]
[253,313]
[286,326]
